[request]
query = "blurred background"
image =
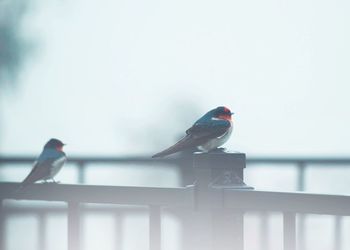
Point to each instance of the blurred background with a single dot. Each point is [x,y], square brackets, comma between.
[127,78]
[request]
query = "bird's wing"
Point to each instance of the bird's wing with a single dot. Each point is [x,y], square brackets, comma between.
[209,130]
[39,171]
[197,135]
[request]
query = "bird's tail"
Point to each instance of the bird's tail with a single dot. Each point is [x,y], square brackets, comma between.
[185,143]
[24,184]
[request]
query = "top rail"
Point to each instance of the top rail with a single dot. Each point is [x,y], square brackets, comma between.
[244,200]
[121,195]
[296,202]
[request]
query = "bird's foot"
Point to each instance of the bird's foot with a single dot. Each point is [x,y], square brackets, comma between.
[50,181]
[55,182]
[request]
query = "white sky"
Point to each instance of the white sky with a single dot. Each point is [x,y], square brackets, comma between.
[128,77]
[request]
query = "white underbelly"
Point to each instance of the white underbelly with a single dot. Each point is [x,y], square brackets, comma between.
[56,166]
[216,142]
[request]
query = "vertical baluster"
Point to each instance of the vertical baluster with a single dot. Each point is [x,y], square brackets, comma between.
[2,226]
[289,237]
[73,226]
[338,233]
[81,172]
[118,225]
[42,235]
[81,180]
[301,167]
[154,228]
[264,231]
[301,231]
[301,176]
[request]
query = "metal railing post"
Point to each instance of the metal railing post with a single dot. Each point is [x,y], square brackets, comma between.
[210,226]
[197,234]
[74,226]
[227,229]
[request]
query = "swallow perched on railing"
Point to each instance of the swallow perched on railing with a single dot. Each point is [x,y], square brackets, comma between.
[48,164]
[207,133]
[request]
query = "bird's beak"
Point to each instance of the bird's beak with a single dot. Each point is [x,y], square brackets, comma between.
[232,113]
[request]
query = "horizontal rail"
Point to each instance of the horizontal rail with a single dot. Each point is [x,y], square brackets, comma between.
[99,194]
[247,200]
[287,202]
[300,160]
[44,209]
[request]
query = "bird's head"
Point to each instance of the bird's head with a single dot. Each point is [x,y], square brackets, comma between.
[222,113]
[54,144]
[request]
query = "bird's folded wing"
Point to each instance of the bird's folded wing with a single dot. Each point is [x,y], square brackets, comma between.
[212,129]
[198,134]
[39,171]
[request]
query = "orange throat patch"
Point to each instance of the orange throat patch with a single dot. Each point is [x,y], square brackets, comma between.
[225,117]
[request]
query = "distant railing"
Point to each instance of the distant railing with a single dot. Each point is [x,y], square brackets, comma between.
[198,198]
[185,163]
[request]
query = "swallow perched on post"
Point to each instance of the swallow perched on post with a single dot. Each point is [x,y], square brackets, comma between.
[48,164]
[207,133]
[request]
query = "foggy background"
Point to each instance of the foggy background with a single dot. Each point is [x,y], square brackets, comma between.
[123,78]
[107,76]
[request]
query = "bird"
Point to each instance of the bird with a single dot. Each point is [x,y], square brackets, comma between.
[48,164]
[208,133]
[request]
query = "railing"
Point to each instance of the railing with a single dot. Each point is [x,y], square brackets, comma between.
[233,202]
[229,205]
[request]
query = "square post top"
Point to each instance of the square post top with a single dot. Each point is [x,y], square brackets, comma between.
[219,169]
[219,160]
